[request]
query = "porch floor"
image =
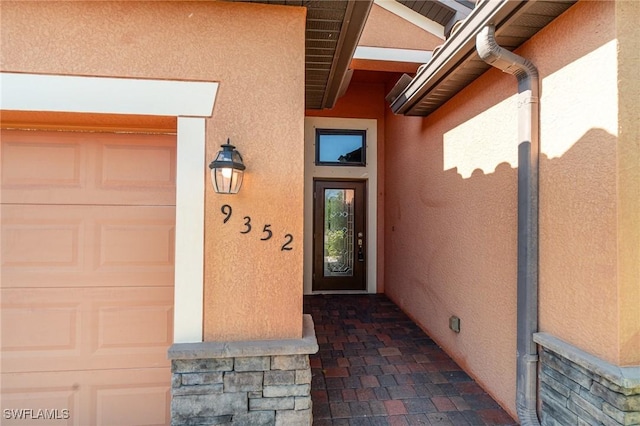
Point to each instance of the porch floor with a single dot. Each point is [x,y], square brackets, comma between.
[377,367]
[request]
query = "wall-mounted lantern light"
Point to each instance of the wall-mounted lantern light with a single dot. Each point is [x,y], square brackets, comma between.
[227,170]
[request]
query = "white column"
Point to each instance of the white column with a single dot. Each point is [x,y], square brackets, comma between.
[189,262]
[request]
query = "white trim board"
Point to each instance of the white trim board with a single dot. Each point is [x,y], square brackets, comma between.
[60,93]
[412,16]
[191,102]
[368,173]
[392,54]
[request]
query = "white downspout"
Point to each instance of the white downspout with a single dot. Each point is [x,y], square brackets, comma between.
[528,151]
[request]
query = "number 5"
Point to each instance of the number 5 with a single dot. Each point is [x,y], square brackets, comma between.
[267,231]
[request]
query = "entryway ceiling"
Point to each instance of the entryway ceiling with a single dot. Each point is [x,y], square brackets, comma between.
[444,12]
[333,31]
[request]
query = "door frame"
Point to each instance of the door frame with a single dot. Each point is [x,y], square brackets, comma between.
[369,173]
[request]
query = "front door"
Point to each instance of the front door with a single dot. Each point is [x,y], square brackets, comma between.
[339,231]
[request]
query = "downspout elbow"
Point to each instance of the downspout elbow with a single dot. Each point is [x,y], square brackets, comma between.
[505,60]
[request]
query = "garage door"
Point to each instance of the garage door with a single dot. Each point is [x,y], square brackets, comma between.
[87,277]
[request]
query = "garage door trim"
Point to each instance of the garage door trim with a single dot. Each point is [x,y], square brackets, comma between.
[191,102]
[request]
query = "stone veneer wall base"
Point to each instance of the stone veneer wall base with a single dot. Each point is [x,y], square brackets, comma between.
[577,388]
[245,383]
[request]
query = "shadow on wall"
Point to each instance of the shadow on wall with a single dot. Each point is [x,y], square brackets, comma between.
[452,250]
[451,205]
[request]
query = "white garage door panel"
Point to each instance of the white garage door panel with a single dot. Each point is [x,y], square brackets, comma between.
[113,397]
[78,246]
[86,328]
[88,168]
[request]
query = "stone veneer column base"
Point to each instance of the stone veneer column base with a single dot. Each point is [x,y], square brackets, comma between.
[577,388]
[250,383]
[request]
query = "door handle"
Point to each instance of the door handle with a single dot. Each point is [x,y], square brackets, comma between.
[360,250]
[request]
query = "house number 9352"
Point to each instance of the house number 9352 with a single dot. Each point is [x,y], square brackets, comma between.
[247,227]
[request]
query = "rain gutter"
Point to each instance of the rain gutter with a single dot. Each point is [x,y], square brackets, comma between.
[456,49]
[528,166]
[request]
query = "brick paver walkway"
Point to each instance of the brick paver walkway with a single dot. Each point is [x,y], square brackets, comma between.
[376,367]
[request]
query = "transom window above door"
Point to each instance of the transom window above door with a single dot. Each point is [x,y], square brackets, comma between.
[341,147]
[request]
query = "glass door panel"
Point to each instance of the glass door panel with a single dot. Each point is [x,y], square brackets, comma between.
[338,232]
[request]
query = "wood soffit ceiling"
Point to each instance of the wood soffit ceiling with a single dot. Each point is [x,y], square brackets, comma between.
[444,12]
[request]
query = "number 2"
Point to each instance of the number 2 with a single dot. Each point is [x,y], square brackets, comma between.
[285,246]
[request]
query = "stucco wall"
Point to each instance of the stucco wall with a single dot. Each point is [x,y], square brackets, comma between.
[366,100]
[578,229]
[451,205]
[385,29]
[253,290]
[628,34]
[451,229]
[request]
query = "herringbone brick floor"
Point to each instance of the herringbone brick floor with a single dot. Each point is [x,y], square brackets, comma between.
[377,367]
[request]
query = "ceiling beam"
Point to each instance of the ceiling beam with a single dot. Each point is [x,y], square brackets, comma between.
[354,20]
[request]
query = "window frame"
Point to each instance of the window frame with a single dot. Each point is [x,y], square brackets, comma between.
[321,132]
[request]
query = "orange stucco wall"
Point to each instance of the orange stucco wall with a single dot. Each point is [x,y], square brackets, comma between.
[451,194]
[451,232]
[253,290]
[385,29]
[578,228]
[366,100]
[628,34]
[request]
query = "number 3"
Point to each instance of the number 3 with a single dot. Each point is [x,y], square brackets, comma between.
[247,223]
